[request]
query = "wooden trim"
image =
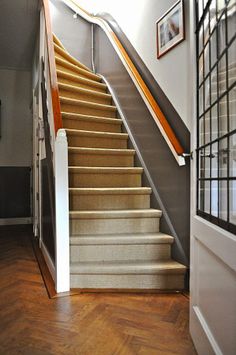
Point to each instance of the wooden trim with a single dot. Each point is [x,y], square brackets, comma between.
[46,275]
[77,291]
[158,114]
[52,68]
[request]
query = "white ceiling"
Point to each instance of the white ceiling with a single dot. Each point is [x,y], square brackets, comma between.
[19,20]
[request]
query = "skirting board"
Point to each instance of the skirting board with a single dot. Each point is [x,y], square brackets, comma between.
[15,221]
[48,261]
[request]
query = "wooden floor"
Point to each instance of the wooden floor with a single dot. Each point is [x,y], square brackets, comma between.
[104,324]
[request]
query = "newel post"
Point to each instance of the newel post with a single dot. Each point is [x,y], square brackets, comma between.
[62,213]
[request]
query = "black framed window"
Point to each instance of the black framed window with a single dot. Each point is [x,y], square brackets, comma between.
[216,111]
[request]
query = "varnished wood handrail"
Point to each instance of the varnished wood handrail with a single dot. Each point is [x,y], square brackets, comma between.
[52,68]
[153,106]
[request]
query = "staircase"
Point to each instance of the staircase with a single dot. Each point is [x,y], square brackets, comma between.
[115,242]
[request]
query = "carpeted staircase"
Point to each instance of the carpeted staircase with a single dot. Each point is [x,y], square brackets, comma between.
[115,242]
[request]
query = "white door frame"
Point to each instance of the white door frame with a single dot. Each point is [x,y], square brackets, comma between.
[212,262]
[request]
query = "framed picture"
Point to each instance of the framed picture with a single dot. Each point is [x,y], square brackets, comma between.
[170,28]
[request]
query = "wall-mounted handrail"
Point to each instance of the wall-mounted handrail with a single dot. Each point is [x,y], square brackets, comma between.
[160,119]
[52,68]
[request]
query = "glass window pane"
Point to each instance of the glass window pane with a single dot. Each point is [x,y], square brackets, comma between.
[214,122]
[223,157]
[213,48]
[223,200]
[207,197]
[207,128]
[207,162]
[200,39]
[206,28]
[220,7]
[201,132]
[213,85]
[207,93]
[201,100]
[232,201]
[201,163]
[214,198]
[200,8]
[221,35]
[214,160]
[222,75]
[223,116]
[231,18]
[232,155]
[201,196]
[232,62]
[212,14]
[206,60]
[232,109]
[200,68]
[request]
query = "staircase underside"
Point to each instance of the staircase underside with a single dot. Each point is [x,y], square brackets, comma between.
[115,239]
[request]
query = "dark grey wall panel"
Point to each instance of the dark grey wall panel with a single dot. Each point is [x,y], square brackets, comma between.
[170,180]
[15,192]
[75,34]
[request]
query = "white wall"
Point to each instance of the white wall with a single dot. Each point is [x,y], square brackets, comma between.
[138,21]
[16,120]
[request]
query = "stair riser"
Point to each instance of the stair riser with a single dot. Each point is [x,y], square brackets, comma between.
[108,202]
[91,125]
[100,253]
[96,142]
[119,225]
[86,110]
[158,282]
[92,160]
[104,180]
[85,97]
[76,71]
[80,84]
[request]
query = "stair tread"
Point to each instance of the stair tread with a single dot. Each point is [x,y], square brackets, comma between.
[105,170]
[79,116]
[111,239]
[76,77]
[97,133]
[70,87]
[98,151]
[131,267]
[57,41]
[105,214]
[72,101]
[111,190]
[85,72]
[62,51]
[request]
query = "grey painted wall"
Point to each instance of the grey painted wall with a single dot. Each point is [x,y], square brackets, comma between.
[138,19]
[75,34]
[18,26]
[16,120]
[170,180]
[15,143]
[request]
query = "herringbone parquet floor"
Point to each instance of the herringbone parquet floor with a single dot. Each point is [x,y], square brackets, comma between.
[88,324]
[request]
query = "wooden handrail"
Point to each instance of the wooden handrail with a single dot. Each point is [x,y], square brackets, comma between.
[153,106]
[52,68]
